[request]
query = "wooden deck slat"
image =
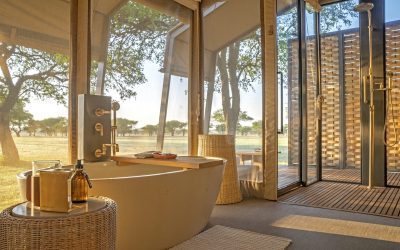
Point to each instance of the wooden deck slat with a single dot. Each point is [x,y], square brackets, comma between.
[333,192]
[353,199]
[376,208]
[347,197]
[367,206]
[336,196]
[393,204]
[389,201]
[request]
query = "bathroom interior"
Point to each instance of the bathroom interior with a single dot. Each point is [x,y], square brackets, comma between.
[258,124]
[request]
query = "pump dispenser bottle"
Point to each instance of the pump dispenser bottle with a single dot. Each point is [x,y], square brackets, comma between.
[79,184]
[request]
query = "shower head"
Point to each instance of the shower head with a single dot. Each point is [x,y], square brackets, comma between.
[364,7]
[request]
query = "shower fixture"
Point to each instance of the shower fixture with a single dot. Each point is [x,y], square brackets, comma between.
[99,128]
[367,7]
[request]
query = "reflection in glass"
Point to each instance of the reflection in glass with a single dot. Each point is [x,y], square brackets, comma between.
[233,87]
[288,71]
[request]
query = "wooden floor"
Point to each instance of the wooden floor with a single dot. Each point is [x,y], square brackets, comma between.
[347,197]
[288,175]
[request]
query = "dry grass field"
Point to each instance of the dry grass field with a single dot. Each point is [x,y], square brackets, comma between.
[55,148]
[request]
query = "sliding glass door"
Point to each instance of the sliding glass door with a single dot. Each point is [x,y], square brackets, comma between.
[289,155]
[392,26]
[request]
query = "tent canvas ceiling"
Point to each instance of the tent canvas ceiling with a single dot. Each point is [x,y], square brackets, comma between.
[44,25]
[224,22]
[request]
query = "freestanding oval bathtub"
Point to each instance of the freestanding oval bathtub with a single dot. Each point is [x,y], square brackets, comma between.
[157,206]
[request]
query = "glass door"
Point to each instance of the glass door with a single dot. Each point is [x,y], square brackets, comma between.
[289,153]
[392,26]
[312,92]
[340,87]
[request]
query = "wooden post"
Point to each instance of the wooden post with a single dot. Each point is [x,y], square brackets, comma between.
[270,99]
[196,81]
[80,13]
[102,64]
[167,82]
[165,91]
[210,93]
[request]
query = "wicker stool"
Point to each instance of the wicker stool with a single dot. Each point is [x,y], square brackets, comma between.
[223,146]
[94,229]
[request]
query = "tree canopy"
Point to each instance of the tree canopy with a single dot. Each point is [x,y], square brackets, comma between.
[20,118]
[137,34]
[149,129]
[173,125]
[125,126]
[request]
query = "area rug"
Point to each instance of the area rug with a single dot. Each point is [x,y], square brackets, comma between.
[220,238]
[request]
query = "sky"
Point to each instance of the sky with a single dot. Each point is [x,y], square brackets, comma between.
[145,107]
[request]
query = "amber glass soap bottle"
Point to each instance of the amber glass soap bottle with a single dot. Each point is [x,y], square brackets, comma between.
[80,184]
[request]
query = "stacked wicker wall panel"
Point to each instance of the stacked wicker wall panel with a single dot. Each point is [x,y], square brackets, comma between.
[330,109]
[352,98]
[331,121]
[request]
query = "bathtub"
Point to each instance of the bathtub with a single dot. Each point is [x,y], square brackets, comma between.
[157,206]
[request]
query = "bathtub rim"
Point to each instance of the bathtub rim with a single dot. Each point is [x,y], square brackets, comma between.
[23,175]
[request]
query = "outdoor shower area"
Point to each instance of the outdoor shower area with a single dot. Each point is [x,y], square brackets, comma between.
[324,111]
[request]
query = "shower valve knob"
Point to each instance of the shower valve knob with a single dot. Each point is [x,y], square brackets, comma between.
[101,112]
[99,128]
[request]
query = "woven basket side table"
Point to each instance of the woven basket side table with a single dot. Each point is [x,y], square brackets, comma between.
[88,230]
[223,146]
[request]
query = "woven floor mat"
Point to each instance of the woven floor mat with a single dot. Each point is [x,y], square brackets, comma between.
[220,237]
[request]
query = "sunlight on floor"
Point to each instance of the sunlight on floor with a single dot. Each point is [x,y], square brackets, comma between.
[340,227]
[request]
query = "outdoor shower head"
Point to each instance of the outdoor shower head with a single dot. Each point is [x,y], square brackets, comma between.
[364,7]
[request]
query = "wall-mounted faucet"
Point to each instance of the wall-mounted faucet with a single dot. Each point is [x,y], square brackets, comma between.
[113,145]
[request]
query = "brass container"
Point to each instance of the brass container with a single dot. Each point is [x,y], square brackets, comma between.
[55,190]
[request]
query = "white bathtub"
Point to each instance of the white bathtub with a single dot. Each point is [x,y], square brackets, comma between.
[157,206]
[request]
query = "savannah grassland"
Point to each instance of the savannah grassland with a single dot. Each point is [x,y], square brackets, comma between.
[55,148]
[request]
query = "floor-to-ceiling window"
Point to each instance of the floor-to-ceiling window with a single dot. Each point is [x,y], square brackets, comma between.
[340,89]
[310,86]
[392,23]
[147,70]
[34,74]
[288,72]
[233,88]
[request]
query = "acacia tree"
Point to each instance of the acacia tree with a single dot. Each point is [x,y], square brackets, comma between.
[219,118]
[149,129]
[238,67]
[31,127]
[24,73]
[19,118]
[173,125]
[125,126]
